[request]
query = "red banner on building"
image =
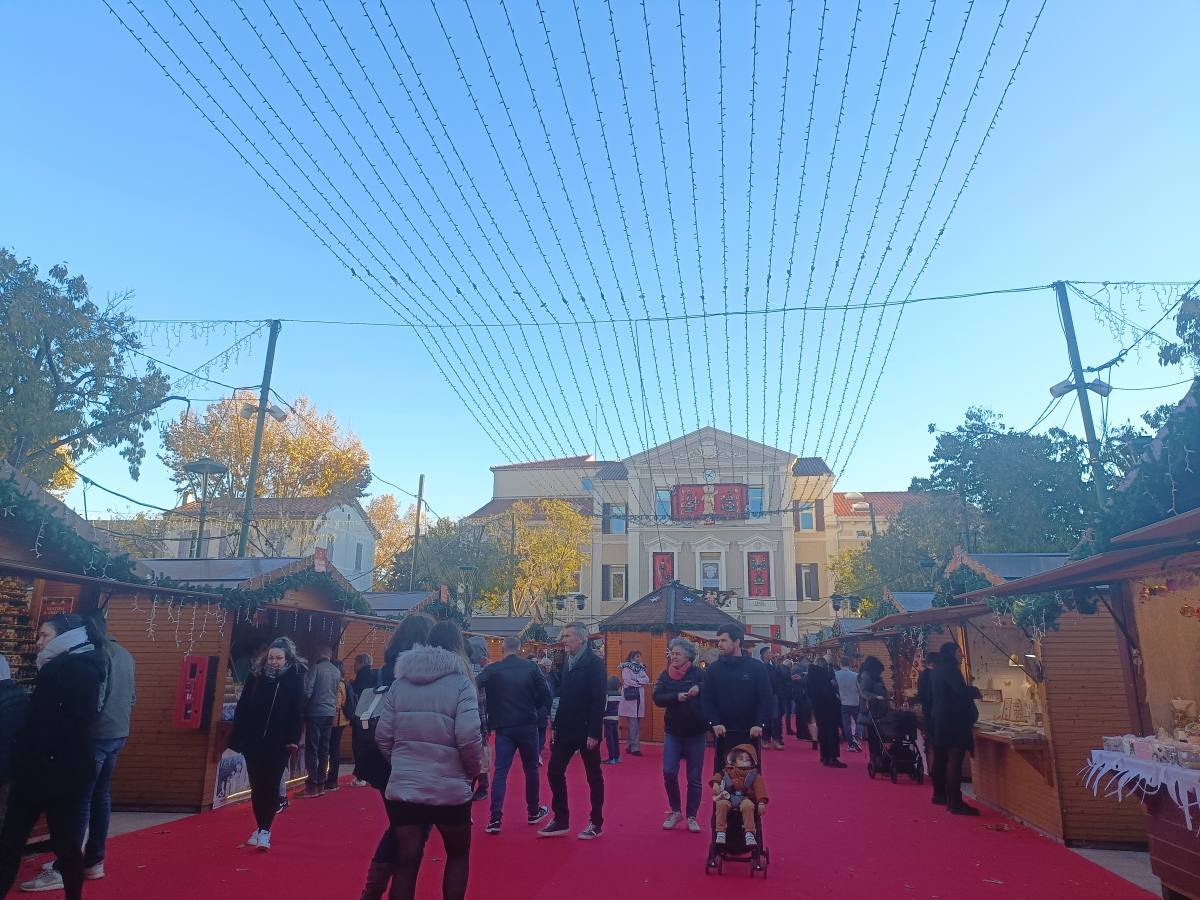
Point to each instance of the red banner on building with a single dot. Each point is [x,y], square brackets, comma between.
[687,501]
[759,564]
[663,569]
[730,501]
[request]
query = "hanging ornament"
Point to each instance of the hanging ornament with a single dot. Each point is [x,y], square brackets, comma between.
[191,633]
[37,542]
[204,623]
[151,628]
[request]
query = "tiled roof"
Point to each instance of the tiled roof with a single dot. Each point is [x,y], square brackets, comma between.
[811,465]
[500,505]
[673,606]
[564,462]
[887,504]
[386,603]
[499,626]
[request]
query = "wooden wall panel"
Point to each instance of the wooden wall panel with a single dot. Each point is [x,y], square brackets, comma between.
[164,767]
[1011,782]
[1085,699]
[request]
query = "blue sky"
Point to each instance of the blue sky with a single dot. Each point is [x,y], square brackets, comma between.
[1087,176]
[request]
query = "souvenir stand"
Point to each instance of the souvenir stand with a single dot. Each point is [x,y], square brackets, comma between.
[648,625]
[1150,580]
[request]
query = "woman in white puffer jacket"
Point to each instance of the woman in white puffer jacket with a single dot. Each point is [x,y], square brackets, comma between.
[429,729]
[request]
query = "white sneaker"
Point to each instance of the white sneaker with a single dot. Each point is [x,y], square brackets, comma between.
[264,840]
[252,841]
[47,880]
[693,825]
[358,782]
[93,873]
[719,838]
[751,840]
[672,820]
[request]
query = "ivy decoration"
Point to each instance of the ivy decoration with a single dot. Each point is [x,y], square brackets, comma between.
[39,524]
[249,601]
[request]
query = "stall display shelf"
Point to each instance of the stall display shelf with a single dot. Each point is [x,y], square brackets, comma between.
[18,640]
[1130,776]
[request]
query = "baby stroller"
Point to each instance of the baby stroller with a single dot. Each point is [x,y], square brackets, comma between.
[892,741]
[734,849]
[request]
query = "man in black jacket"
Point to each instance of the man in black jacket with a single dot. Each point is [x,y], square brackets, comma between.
[515,692]
[581,701]
[737,694]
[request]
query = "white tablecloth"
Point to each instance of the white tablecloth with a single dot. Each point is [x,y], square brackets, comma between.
[1130,776]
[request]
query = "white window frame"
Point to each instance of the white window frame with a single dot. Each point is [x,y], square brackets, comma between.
[811,509]
[805,569]
[613,572]
[762,513]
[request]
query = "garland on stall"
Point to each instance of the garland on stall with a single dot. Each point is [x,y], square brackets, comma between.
[445,612]
[250,600]
[37,522]
[1039,613]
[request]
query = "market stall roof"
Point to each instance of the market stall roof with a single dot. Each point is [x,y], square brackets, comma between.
[937,616]
[396,603]
[500,626]
[912,601]
[1184,525]
[106,584]
[672,606]
[1101,569]
[218,572]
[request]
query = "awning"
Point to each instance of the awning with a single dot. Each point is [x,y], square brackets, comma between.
[1183,525]
[1104,568]
[937,616]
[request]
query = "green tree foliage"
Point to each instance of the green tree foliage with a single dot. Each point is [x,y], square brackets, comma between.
[445,548]
[63,369]
[1030,490]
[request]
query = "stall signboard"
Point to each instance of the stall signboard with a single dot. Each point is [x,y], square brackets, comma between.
[53,606]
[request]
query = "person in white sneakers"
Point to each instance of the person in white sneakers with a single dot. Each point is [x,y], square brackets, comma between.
[266,730]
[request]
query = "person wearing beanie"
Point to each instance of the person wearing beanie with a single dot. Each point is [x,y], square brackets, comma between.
[53,767]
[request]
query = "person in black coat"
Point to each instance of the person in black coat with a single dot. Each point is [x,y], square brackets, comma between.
[801,706]
[14,712]
[516,693]
[582,697]
[827,710]
[954,717]
[266,730]
[737,695]
[52,766]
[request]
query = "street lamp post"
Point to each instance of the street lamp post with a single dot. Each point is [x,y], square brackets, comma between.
[203,467]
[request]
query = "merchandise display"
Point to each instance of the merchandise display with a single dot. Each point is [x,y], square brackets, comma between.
[17,636]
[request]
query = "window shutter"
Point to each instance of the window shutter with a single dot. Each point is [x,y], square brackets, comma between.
[605,582]
[799,581]
[796,514]
[819,508]
[816,577]
[606,518]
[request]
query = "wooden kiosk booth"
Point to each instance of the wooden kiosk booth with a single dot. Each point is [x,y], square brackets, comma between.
[648,625]
[1148,584]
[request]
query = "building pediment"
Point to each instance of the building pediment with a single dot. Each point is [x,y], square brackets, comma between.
[710,448]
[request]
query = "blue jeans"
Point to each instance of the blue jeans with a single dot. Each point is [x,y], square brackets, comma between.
[510,741]
[675,750]
[96,809]
[851,730]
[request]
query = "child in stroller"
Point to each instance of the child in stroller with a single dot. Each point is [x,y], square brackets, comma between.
[739,800]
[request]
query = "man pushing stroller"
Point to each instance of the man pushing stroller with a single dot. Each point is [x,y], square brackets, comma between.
[739,785]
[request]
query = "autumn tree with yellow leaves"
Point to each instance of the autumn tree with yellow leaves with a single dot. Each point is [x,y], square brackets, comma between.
[306,455]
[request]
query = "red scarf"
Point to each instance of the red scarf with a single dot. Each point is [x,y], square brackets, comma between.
[678,673]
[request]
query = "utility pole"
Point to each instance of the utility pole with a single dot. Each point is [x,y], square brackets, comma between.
[512,552]
[264,395]
[412,569]
[1085,406]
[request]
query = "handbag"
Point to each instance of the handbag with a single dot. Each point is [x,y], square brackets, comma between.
[632,693]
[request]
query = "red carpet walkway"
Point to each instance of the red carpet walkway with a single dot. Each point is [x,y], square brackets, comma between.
[832,833]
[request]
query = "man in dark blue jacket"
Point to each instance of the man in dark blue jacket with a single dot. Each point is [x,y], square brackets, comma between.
[516,691]
[737,694]
[582,697]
